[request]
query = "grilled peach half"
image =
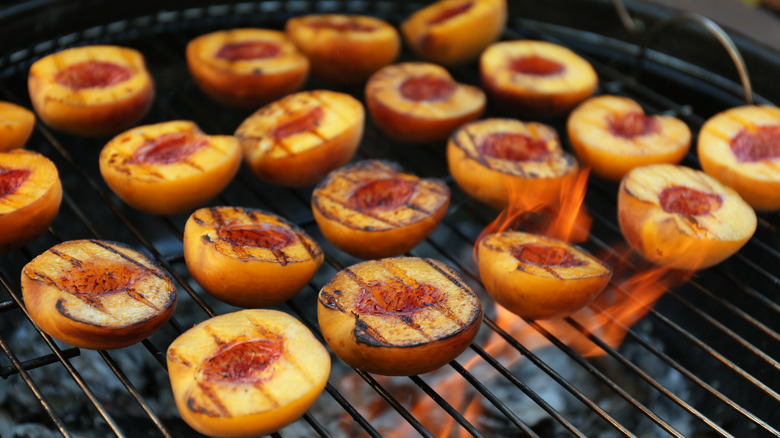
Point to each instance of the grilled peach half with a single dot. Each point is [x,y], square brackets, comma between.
[16,126]
[398,316]
[169,167]
[246,373]
[612,135]
[682,218]
[420,102]
[344,49]
[491,158]
[297,140]
[30,196]
[97,294]
[91,90]
[453,32]
[538,277]
[372,209]
[248,257]
[536,78]
[246,67]
[740,147]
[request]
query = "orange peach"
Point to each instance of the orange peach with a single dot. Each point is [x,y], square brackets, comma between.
[682,218]
[16,126]
[420,102]
[612,135]
[246,373]
[740,147]
[344,48]
[169,167]
[298,139]
[453,32]
[30,196]
[372,209]
[536,78]
[246,68]
[91,90]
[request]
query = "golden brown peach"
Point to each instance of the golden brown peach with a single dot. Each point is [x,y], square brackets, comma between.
[91,90]
[740,147]
[398,316]
[97,294]
[16,126]
[246,373]
[372,209]
[682,218]
[453,32]
[246,68]
[298,139]
[536,78]
[420,102]
[169,167]
[30,196]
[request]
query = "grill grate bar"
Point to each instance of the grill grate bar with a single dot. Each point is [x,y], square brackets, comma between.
[457,416]
[38,362]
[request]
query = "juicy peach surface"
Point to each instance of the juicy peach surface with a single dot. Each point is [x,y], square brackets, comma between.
[740,147]
[373,209]
[30,197]
[246,67]
[298,139]
[420,102]
[248,257]
[169,167]
[246,373]
[16,125]
[453,32]
[91,90]
[682,218]
[613,135]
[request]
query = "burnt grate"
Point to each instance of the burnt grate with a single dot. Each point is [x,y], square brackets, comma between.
[702,362]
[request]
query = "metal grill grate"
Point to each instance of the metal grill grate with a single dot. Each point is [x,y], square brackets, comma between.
[703,361]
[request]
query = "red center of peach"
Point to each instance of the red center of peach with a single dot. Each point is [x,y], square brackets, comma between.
[688,201]
[385,194]
[11,179]
[427,87]
[243,362]
[248,50]
[395,297]
[543,255]
[344,26]
[448,13]
[100,277]
[261,236]
[168,148]
[513,146]
[632,124]
[92,74]
[761,143]
[535,65]
[306,121]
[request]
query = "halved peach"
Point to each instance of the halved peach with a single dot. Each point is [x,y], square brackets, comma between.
[344,48]
[740,147]
[491,158]
[536,78]
[16,125]
[613,135]
[398,316]
[30,196]
[246,373]
[682,218]
[169,167]
[420,102]
[453,32]
[298,139]
[538,277]
[248,257]
[372,209]
[91,90]
[97,294]
[246,67]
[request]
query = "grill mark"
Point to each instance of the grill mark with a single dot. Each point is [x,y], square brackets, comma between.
[552,272]
[313,251]
[473,152]
[210,394]
[86,299]
[193,165]
[174,356]
[260,387]
[281,257]
[72,260]
[365,334]
[215,336]
[418,208]
[39,276]
[330,301]
[364,213]
[128,258]
[138,296]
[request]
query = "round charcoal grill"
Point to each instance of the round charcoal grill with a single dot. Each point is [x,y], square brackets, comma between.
[702,361]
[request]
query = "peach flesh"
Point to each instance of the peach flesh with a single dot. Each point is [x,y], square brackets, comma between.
[168,149]
[762,143]
[243,362]
[428,87]
[384,193]
[11,179]
[268,236]
[632,124]
[350,26]
[396,298]
[448,13]
[541,255]
[688,201]
[93,278]
[248,50]
[92,74]
[513,146]
[535,65]
[305,122]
